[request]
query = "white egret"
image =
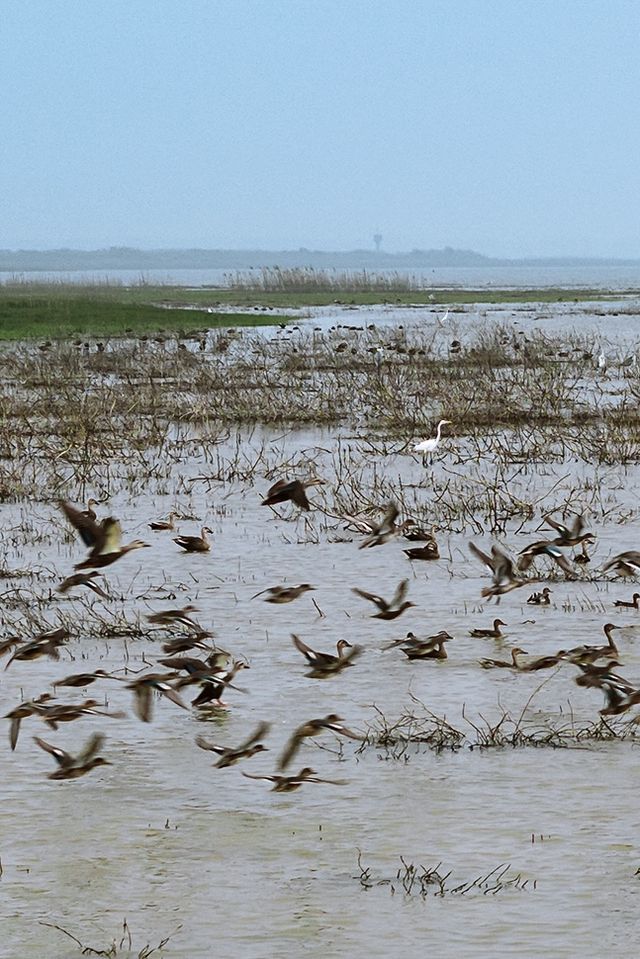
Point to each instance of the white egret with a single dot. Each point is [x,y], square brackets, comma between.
[428,447]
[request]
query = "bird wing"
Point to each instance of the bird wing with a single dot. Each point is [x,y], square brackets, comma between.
[142,702]
[562,561]
[63,759]
[91,533]
[93,745]
[400,593]
[277,488]
[560,527]
[310,654]
[578,525]
[261,730]
[271,779]
[299,496]
[483,557]
[331,782]
[381,603]
[359,523]
[171,694]
[291,748]
[211,747]
[389,518]
[341,730]
[111,537]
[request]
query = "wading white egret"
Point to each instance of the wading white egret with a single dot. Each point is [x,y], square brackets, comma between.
[428,447]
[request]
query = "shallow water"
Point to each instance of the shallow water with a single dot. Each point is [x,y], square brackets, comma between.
[164,840]
[612,277]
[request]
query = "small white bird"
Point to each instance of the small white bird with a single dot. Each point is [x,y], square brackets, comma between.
[428,447]
[602,362]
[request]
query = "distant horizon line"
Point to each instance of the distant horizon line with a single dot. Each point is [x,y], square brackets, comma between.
[131,257]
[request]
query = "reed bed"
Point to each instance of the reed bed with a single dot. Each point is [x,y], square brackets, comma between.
[311,280]
[103,416]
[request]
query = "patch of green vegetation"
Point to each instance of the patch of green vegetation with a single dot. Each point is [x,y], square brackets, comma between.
[52,312]
[282,299]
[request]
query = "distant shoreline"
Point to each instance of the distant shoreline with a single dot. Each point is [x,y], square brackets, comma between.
[127,258]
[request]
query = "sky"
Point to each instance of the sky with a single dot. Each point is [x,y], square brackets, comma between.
[511,127]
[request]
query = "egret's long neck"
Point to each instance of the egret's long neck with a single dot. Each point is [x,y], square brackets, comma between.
[438,431]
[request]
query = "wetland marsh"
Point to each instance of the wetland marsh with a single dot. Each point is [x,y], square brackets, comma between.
[461,771]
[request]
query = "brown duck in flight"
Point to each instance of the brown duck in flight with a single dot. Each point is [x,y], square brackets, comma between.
[388,610]
[293,491]
[314,727]
[72,767]
[229,756]
[104,539]
[287,784]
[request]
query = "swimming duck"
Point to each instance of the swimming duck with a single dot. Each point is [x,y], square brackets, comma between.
[314,727]
[326,664]
[72,767]
[432,648]
[291,490]
[104,539]
[388,610]
[230,756]
[428,551]
[89,511]
[541,599]
[287,784]
[416,534]
[633,604]
[494,633]
[164,524]
[503,663]
[195,544]
[283,594]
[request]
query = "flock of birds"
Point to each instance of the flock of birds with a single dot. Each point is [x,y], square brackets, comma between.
[193,660]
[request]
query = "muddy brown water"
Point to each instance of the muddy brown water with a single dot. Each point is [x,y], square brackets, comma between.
[225,866]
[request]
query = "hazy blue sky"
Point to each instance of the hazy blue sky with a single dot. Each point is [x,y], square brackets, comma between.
[507,126]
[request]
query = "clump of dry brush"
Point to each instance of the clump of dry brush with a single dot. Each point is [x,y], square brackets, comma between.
[417,728]
[422,881]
